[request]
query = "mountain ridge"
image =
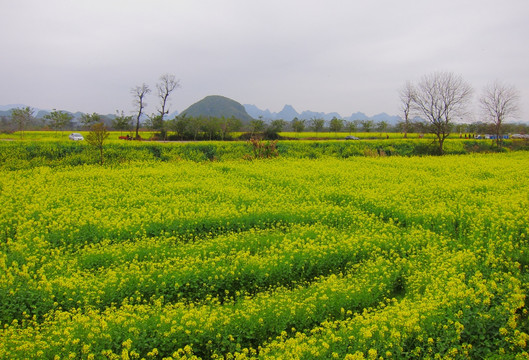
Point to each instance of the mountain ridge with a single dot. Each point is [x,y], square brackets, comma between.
[288,113]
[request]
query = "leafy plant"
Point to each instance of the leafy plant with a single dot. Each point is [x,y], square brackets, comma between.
[97,137]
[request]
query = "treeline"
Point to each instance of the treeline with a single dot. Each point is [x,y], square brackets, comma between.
[183,127]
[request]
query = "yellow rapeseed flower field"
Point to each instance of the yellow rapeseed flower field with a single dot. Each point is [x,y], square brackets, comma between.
[358,258]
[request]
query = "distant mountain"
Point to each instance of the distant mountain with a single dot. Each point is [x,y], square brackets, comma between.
[41,113]
[218,106]
[358,116]
[11,106]
[390,119]
[257,113]
[288,113]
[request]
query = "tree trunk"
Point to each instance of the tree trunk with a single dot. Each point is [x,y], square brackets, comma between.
[498,134]
[137,127]
[441,142]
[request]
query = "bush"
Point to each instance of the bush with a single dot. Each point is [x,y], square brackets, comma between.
[262,149]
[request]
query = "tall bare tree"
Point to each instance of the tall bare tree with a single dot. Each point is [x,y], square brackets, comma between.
[167,84]
[139,93]
[406,98]
[440,97]
[499,102]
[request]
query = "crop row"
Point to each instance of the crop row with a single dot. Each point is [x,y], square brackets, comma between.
[223,267]
[457,302]
[454,309]
[209,328]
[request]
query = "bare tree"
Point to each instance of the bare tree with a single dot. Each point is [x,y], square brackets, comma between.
[406,98]
[441,97]
[139,93]
[498,103]
[165,87]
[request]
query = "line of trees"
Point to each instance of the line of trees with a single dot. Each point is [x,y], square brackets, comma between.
[441,98]
[184,127]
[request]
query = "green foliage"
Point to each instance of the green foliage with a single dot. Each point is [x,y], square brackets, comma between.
[256,126]
[122,122]
[317,124]
[367,125]
[350,126]
[58,120]
[22,118]
[228,125]
[87,120]
[336,125]
[216,107]
[297,125]
[277,125]
[97,137]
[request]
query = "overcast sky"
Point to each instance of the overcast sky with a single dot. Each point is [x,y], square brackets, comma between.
[333,55]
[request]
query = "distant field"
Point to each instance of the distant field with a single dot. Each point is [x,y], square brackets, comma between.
[114,135]
[290,258]
[361,135]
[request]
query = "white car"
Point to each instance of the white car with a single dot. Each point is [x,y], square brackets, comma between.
[75,137]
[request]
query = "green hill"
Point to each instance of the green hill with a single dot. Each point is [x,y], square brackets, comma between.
[218,106]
